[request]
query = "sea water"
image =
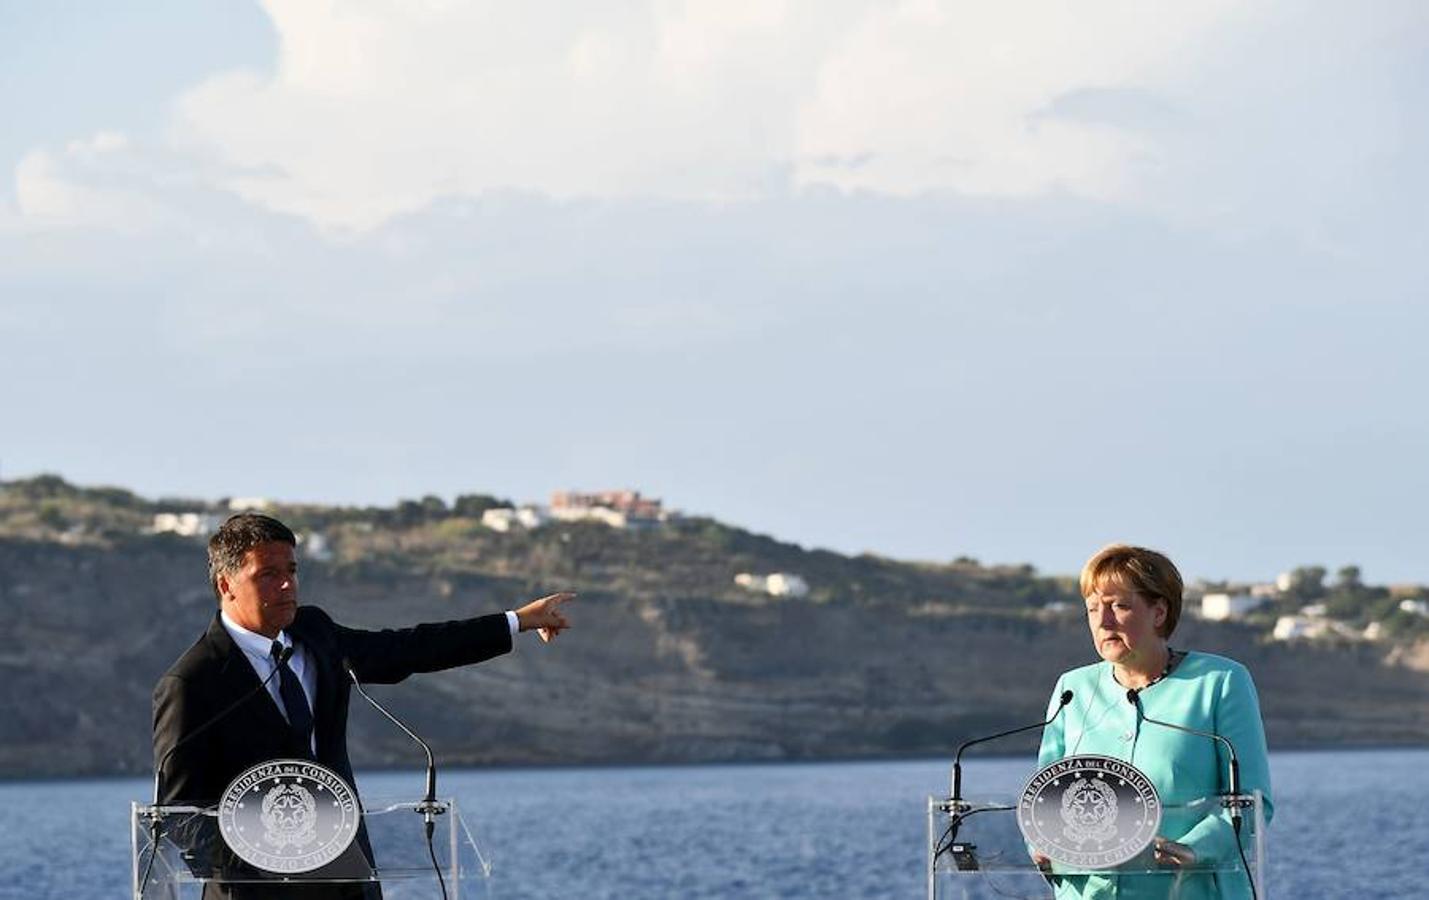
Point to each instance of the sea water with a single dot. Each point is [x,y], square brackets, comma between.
[1347,824]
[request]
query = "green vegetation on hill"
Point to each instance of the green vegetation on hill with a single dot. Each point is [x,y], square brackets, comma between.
[694,556]
[686,556]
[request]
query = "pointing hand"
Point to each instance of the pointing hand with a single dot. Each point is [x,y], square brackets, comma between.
[545,615]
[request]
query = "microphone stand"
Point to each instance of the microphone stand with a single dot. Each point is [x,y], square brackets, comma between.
[956,801]
[959,808]
[1233,800]
[429,807]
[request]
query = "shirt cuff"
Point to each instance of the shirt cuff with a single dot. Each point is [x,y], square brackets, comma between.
[513,623]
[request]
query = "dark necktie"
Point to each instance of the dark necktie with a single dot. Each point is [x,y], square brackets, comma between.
[300,715]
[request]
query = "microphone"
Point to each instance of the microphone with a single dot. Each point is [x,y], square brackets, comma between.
[1133,696]
[956,799]
[429,806]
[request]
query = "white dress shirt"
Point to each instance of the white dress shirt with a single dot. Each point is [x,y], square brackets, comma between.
[258,651]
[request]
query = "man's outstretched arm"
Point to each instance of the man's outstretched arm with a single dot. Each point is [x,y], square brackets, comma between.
[390,655]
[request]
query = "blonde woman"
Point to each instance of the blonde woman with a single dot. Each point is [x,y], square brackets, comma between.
[1133,602]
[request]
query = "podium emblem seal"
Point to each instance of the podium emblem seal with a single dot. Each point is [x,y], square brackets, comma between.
[1090,812]
[288,816]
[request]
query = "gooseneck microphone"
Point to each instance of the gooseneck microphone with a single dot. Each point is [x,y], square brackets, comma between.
[1133,696]
[155,828]
[1232,800]
[957,797]
[429,807]
[431,798]
[964,854]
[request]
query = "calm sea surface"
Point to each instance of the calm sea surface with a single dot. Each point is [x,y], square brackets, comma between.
[1347,824]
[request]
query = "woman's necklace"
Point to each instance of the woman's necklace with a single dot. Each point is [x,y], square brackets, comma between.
[1173,659]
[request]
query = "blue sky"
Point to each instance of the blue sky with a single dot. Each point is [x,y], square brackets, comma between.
[924,279]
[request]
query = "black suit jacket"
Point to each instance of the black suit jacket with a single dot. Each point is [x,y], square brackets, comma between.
[213,673]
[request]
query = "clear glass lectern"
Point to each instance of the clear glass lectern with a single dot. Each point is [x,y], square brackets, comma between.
[976,850]
[189,853]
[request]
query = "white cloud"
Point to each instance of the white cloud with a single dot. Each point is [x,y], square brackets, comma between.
[927,95]
[70,188]
[376,109]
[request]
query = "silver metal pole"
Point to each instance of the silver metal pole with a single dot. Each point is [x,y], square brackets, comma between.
[932,847]
[452,815]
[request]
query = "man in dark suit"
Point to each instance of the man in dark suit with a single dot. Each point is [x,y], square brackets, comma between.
[303,713]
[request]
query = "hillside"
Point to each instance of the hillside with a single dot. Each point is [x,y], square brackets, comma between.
[669,660]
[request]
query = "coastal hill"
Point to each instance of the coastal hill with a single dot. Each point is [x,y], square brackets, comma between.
[669,661]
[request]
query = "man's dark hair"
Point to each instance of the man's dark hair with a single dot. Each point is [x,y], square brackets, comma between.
[236,537]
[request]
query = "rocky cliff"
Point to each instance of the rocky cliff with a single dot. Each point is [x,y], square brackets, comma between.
[668,662]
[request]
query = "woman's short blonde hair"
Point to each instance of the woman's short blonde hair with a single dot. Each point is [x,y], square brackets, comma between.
[1148,573]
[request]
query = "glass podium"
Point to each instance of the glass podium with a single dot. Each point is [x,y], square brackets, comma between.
[976,850]
[178,849]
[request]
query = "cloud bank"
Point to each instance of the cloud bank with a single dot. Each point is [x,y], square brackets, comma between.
[376,110]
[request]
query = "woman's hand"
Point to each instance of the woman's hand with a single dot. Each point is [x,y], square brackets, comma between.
[1170,853]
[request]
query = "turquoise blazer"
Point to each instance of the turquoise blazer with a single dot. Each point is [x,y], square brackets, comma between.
[1205,692]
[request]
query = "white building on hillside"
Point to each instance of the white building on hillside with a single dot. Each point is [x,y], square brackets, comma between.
[786,584]
[1290,628]
[504,518]
[779,584]
[315,546]
[188,524]
[1222,606]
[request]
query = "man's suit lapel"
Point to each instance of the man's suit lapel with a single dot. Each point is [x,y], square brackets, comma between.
[237,678]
